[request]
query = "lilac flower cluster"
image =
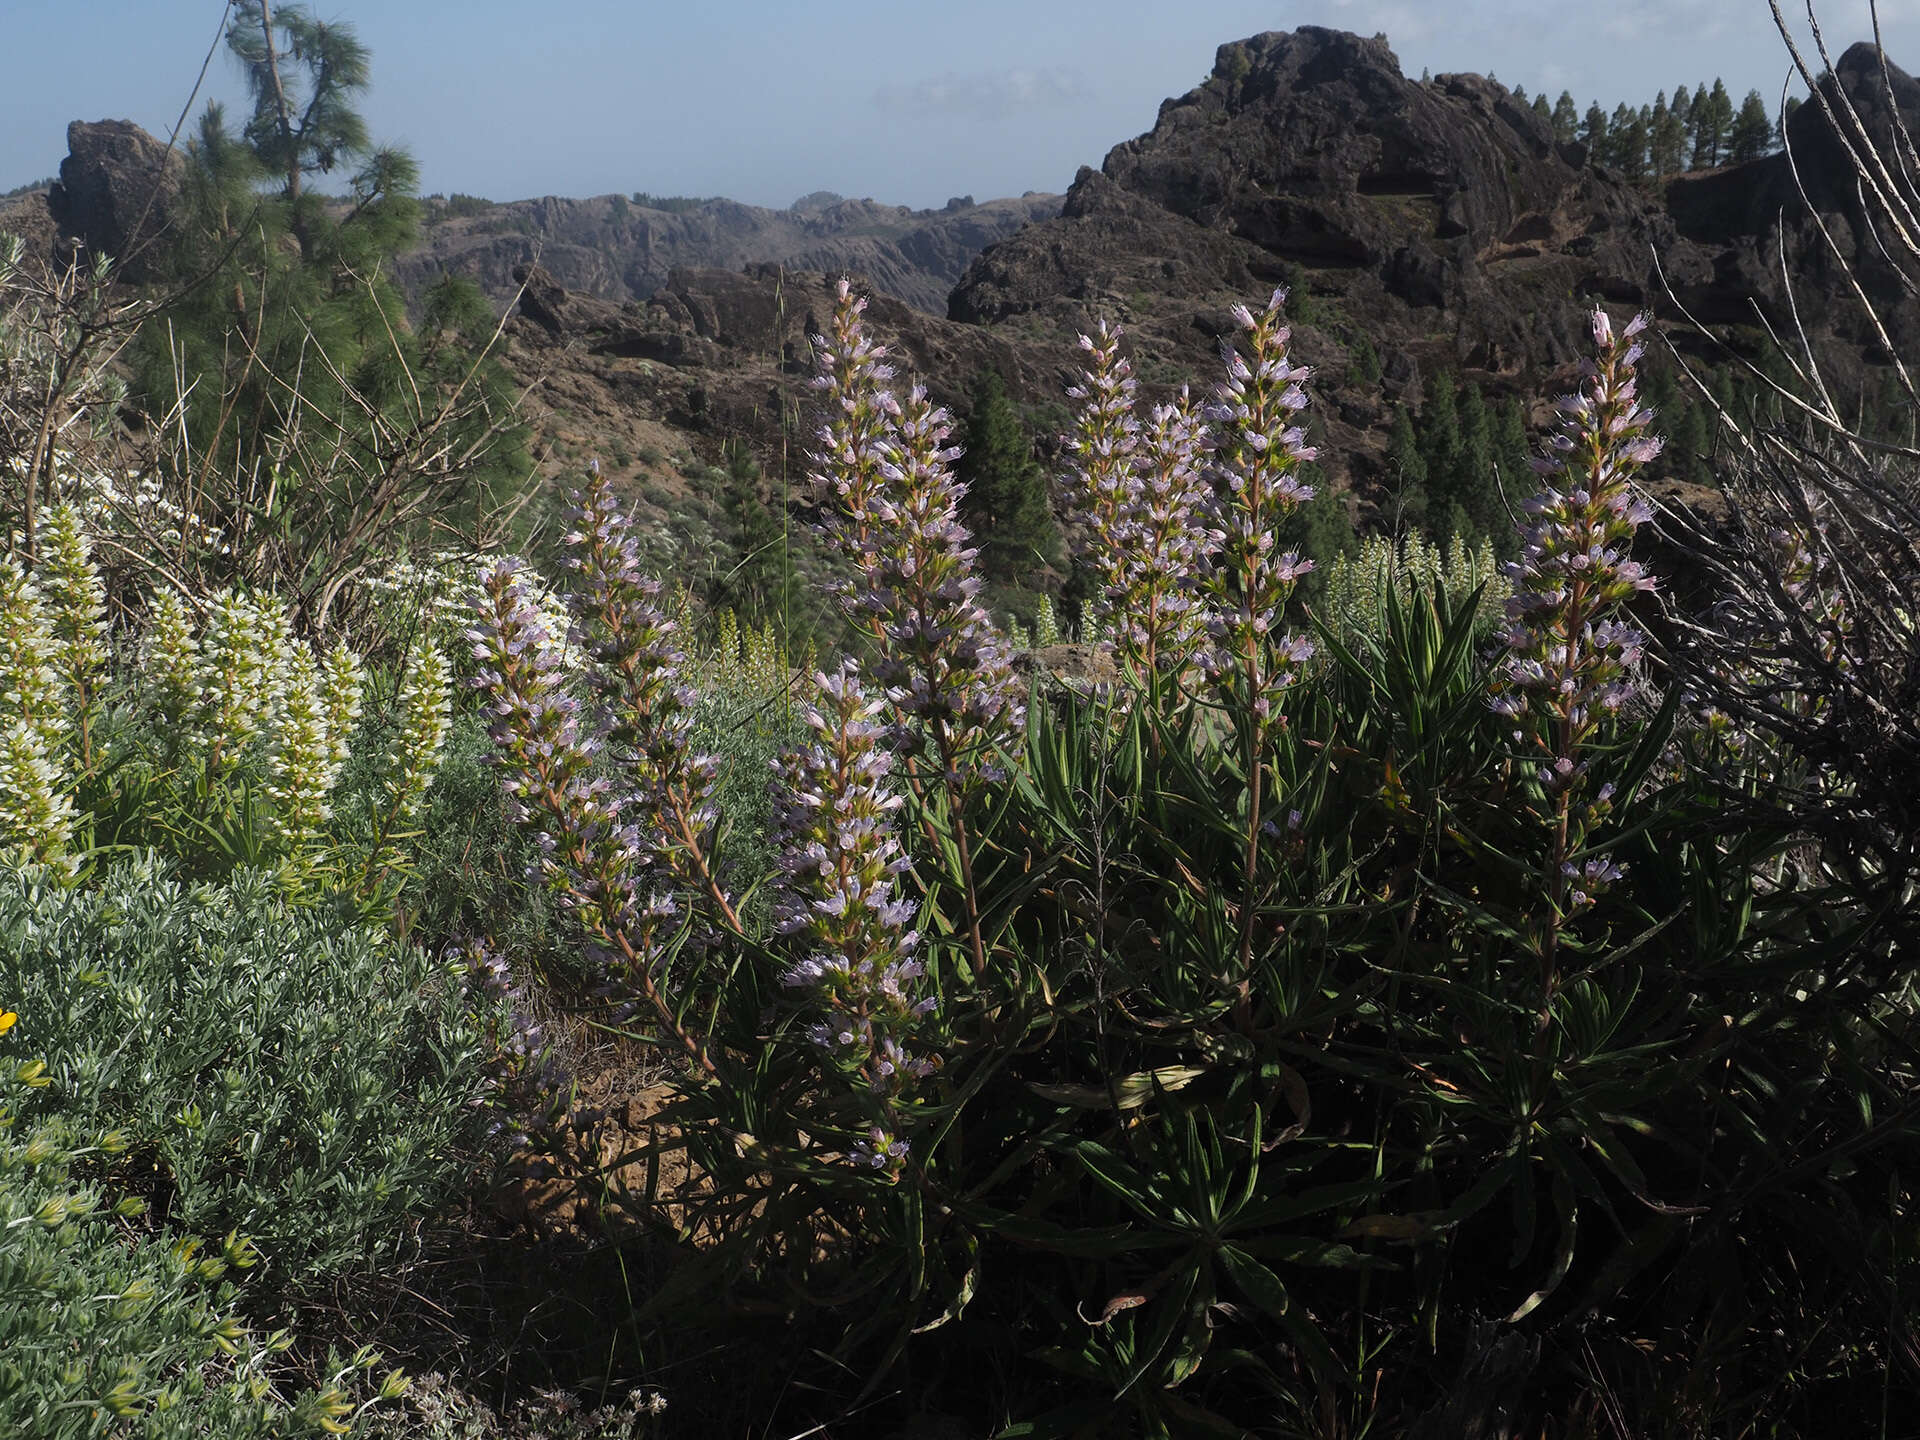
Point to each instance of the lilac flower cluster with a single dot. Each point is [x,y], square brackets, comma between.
[1566,657]
[840,900]
[596,860]
[1257,457]
[1141,497]
[885,469]
[647,720]
[1101,486]
[1569,662]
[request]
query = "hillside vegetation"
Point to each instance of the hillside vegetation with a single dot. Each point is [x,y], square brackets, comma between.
[1333,850]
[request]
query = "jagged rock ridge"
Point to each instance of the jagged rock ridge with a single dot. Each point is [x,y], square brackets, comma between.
[614,249]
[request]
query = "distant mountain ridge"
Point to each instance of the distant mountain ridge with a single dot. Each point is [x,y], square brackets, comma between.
[613,248]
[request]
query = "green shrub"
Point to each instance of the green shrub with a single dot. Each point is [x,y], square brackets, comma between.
[285,1073]
[102,1333]
[1259,1040]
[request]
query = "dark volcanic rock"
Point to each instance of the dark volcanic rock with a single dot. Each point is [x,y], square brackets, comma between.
[1309,154]
[1754,215]
[1438,220]
[116,194]
[726,355]
[613,249]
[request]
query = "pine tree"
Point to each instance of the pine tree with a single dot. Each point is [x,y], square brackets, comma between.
[1406,470]
[1542,109]
[1566,118]
[1006,501]
[1440,446]
[1593,133]
[1615,154]
[1686,450]
[285,285]
[1627,137]
[1363,362]
[1667,142]
[1696,118]
[1752,134]
[1461,486]
[1710,134]
[1520,95]
[243,332]
[1682,109]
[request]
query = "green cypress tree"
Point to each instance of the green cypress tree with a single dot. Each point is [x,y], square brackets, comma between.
[1006,501]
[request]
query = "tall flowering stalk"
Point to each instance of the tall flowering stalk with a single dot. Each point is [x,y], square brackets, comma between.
[77,602]
[886,470]
[1259,448]
[593,859]
[342,685]
[37,815]
[31,693]
[37,819]
[425,702]
[1102,484]
[648,708]
[239,673]
[172,657]
[853,465]
[1141,497]
[1258,453]
[840,866]
[616,857]
[300,774]
[1570,662]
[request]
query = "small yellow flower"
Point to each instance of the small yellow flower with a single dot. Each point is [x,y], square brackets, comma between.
[7,1017]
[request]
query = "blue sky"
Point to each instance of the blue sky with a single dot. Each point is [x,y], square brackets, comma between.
[765,100]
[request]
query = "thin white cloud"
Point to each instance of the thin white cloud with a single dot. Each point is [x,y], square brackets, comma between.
[1402,23]
[984,92]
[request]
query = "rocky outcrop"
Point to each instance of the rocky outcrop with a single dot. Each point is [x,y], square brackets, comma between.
[1437,220]
[726,354]
[1751,216]
[613,249]
[1437,217]
[119,189]
[117,194]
